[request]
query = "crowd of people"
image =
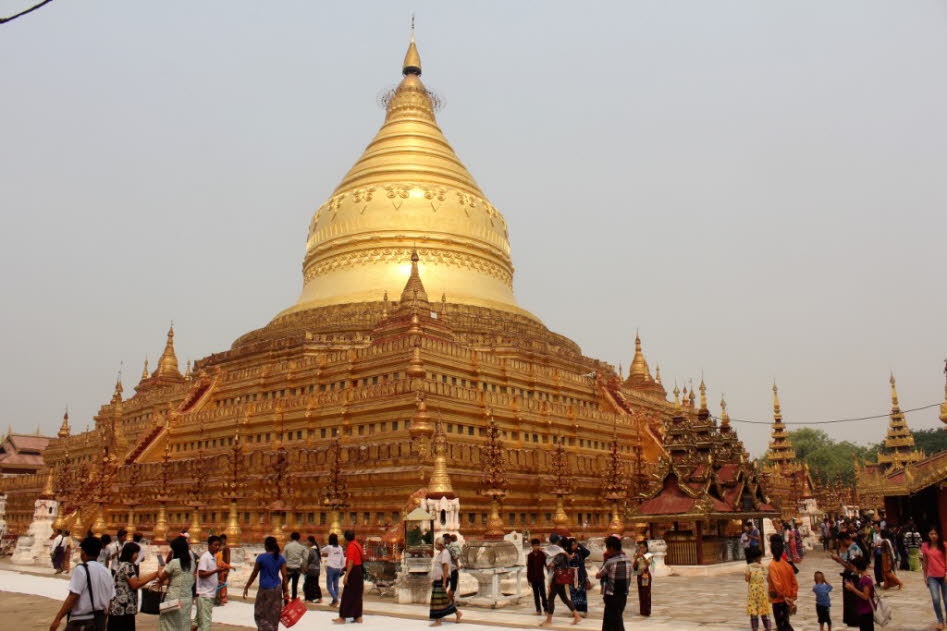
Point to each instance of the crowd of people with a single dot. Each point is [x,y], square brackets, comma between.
[856,545]
[105,588]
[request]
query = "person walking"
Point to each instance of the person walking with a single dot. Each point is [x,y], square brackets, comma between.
[757,593]
[783,587]
[864,591]
[578,591]
[935,568]
[562,576]
[912,541]
[454,549]
[296,555]
[124,605]
[849,552]
[442,605]
[208,578]
[642,567]
[179,575]
[335,563]
[90,591]
[58,551]
[353,585]
[889,562]
[877,544]
[105,554]
[223,563]
[313,567]
[274,586]
[615,575]
[536,576]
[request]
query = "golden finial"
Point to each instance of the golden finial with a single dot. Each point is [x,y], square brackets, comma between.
[117,394]
[703,394]
[777,414]
[657,373]
[144,373]
[621,371]
[894,392]
[677,396]
[412,60]
[639,366]
[724,416]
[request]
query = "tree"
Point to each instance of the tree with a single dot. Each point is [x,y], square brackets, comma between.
[826,458]
[930,441]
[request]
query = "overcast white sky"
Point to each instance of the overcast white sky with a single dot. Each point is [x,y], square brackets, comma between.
[759,186]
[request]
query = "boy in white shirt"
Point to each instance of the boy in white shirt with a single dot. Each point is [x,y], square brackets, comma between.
[91,589]
[207,573]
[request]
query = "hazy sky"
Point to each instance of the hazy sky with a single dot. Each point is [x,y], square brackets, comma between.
[759,186]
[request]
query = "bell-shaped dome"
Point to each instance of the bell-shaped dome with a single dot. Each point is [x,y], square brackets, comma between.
[408,191]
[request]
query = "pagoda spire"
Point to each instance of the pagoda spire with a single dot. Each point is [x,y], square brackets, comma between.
[638,372]
[898,447]
[703,395]
[414,296]
[168,363]
[781,451]
[64,429]
[412,60]
[144,373]
[724,415]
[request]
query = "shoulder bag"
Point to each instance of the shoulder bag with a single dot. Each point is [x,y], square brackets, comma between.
[881,611]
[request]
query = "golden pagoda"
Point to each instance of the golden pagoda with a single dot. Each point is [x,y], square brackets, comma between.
[340,389]
[788,480]
[898,449]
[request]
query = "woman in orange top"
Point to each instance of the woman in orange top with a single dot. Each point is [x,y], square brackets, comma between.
[783,587]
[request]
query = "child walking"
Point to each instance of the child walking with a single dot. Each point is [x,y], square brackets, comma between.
[822,601]
[757,598]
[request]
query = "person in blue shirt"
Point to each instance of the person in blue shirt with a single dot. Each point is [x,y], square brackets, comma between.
[822,601]
[271,566]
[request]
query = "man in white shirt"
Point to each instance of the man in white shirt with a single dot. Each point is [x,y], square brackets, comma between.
[91,589]
[207,573]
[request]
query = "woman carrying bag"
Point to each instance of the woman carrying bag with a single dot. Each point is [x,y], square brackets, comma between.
[179,575]
[124,605]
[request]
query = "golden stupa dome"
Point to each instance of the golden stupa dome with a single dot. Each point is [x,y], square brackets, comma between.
[408,191]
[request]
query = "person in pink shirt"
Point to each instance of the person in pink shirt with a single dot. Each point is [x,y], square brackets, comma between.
[934,562]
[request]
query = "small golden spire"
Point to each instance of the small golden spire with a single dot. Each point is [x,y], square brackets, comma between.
[144,373]
[657,374]
[777,414]
[64,428]
[117,394]
[412,60]
[638,371]
[703,394]
[677,396]
[894,394]
[414,296]
[439,484]
[724,416]
[168,364]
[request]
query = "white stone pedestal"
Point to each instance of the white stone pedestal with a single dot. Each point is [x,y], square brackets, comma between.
[34,547]
[489,589]
[659,548]
[413,587]
[768,529]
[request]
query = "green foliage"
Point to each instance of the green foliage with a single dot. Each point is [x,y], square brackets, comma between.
[826,458]
[931,441]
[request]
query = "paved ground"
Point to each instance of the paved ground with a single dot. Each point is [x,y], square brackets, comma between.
[680,604]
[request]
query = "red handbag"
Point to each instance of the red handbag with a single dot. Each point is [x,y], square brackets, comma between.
[565,576]
[292,613]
